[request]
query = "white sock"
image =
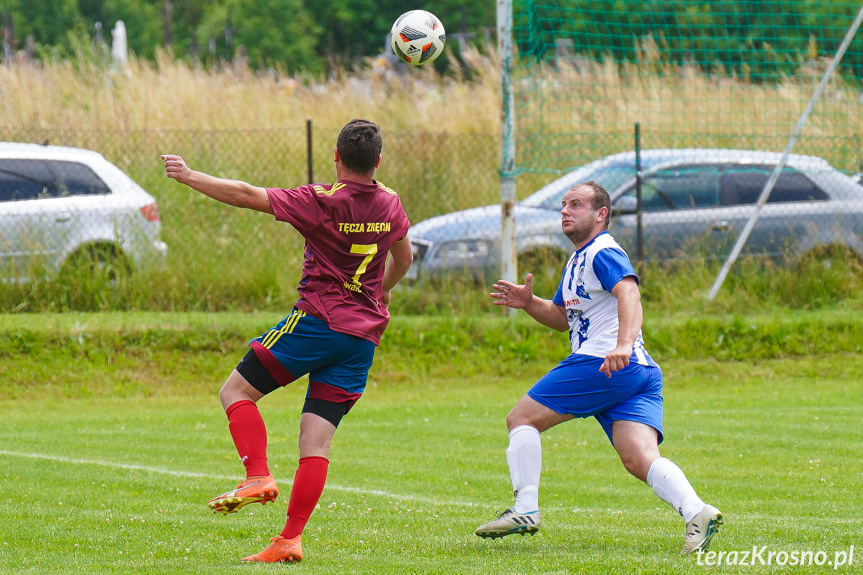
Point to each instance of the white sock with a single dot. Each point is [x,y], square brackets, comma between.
[524,457]
[670,484]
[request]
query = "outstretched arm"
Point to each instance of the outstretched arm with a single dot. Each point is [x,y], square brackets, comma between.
[398,265]
[629,315]
[542,310]
[231,192]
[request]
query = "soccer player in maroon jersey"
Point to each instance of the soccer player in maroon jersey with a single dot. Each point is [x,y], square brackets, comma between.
[350,227]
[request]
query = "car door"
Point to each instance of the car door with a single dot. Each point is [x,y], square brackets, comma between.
[83,212]
[681,213]
[786,217]
[47,209]
[26,242]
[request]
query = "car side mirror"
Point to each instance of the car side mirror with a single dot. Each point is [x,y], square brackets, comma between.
[624,205]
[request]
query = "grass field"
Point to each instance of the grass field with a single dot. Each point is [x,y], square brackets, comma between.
[112,477]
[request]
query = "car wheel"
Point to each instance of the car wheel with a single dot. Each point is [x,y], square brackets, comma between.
[99,264]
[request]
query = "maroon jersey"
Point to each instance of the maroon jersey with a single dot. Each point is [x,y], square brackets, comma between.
[349,229]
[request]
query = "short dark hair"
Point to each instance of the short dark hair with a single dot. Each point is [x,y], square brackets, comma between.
[359,145]
[601,199]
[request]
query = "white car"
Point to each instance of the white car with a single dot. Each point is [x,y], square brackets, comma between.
[68,208]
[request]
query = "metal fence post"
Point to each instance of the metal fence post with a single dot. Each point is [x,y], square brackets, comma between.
[639,229]
[309,156]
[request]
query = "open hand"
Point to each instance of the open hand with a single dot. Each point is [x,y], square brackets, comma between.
[513,295]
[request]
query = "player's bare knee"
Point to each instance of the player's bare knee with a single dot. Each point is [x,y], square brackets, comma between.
[633,468]
[235,389]
[525,412]
[518,417]
[513,419]
[636,465]
[225,395]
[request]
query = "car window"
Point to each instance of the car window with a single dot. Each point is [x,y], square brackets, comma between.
[74,179]
[744,184]
[613,176]
[25,180]
[680,188]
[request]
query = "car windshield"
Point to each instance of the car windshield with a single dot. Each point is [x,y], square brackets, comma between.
[610,176]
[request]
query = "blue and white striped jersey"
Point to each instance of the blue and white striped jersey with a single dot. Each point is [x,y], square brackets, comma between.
[585,292]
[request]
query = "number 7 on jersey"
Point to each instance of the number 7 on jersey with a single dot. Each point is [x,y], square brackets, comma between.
[368,250]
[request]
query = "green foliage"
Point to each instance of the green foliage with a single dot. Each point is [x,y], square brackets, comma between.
[361,27]
[731,35]
[294,35]
[48,21]
[186,16]
[264,27]
[143,24]
[209,34]
[728,36]
[67,349]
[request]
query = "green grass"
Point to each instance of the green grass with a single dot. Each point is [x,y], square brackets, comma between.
[113,440]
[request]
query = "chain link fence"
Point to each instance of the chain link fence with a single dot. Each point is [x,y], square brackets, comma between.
[109,231]
[88,219]
[706,95]
[682,111]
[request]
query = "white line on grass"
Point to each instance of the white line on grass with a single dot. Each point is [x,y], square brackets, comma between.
[180,473]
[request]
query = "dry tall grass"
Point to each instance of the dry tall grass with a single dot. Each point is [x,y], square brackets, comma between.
[563,106]
[595,105]
[168,94]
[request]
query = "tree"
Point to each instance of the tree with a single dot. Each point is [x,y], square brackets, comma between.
[360,28]
[48,21]
[186,15]
[276,32]
[143,24]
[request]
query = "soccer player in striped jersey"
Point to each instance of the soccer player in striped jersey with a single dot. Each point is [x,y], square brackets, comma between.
[350,229]
[608,376]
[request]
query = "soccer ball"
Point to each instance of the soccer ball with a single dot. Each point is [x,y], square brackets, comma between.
[417,37]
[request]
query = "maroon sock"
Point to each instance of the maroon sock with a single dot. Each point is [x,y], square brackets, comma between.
[250,436]
[308,485]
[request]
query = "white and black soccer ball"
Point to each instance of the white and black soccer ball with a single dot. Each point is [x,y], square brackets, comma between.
[417,37]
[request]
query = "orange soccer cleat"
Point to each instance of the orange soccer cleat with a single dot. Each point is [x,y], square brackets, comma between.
[252,490]
[281,550]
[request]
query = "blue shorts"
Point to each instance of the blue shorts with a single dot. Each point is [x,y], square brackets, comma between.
[577,387]
[337,363]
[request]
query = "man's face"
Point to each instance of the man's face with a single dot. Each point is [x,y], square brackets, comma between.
[578,218]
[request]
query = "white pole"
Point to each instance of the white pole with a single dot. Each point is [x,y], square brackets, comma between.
[765,193]
[508,255]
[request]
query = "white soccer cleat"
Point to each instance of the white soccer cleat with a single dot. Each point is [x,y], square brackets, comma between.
[510,523]
[701,530]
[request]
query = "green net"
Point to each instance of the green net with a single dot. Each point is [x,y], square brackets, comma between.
[721,74]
